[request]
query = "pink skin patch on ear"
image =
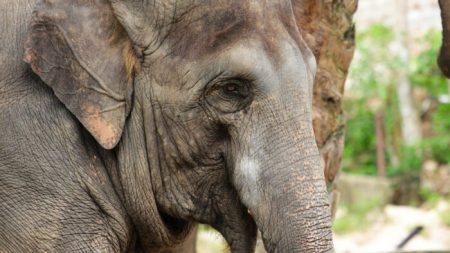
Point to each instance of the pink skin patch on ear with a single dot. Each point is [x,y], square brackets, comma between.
[102,131]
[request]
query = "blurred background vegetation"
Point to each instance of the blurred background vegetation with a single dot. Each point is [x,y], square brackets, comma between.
[373,88]
[414,174]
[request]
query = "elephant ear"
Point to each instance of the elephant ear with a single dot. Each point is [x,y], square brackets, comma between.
[82,52]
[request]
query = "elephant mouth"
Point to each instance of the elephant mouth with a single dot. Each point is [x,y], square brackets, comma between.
[178,228]
[239,230]
[246,239]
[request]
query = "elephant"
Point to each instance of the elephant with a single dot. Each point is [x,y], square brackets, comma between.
[125,123]
[444,54]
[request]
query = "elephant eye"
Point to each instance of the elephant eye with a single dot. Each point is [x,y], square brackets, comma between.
[236,88]
[229,96]
[231,87]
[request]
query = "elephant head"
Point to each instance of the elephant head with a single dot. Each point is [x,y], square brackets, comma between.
[206,106]
[444,54]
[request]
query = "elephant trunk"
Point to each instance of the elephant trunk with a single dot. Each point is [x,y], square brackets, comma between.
[295,217]
[284,188]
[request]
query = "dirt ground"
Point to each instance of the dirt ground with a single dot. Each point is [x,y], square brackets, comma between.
[393,226]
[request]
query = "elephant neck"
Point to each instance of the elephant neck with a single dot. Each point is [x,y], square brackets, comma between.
[136,158]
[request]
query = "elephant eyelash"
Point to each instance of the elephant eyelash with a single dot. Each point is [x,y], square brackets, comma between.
[229,75]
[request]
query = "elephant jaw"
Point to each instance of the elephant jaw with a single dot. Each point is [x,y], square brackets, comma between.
[237,226]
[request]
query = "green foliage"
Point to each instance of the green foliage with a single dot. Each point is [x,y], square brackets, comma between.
[373,63]
[427,75]
[438,146]
[411,162]
[432,200]
[356,216]
[445,217]
[429,197]
[373,88]
[425,71]
[359,144]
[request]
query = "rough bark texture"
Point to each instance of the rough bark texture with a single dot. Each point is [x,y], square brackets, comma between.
[328,29]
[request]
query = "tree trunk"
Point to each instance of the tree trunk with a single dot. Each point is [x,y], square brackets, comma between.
[328,29]
[411,130]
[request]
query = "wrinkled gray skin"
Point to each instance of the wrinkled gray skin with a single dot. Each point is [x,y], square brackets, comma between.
[124,123]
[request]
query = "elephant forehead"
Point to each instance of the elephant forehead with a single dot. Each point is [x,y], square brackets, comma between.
[217,25]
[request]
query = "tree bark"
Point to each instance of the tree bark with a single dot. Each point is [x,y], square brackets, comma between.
[328,29]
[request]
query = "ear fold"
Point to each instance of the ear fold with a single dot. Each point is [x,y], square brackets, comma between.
[83,53]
